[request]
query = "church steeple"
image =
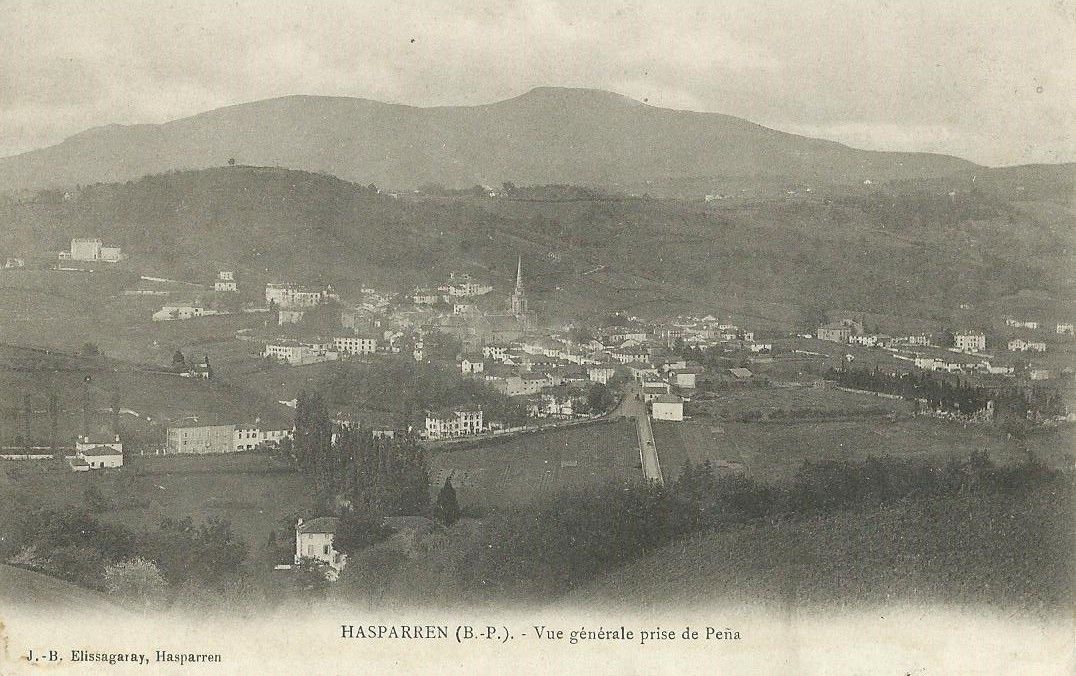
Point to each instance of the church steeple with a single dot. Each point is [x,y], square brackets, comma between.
[519,297]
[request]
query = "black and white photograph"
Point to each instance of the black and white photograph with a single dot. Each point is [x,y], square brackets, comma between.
[537,336]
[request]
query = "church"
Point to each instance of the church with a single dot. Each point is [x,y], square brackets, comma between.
[476,331]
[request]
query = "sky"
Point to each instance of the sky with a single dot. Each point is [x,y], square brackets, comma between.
[987,80]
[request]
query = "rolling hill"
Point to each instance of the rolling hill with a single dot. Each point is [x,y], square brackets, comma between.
[547,135]
[919,247]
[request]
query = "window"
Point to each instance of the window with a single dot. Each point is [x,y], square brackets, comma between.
[310,550]
[325,550]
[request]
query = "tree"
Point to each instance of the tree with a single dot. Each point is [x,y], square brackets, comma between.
[231,161]
[356,532]
[599,398]
[447,509]
[179,362]
[136,581]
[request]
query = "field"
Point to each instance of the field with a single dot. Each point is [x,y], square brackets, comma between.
[532,468]
[774,450]
[241,488]
[148,400]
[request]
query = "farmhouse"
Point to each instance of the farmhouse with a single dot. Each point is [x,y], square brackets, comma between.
[1065,329]
[101,457]
[314,542]
[96,452]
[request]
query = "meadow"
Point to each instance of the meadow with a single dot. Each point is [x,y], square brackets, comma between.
[532,468]
[245,489]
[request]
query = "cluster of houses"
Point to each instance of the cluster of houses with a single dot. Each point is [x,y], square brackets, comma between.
[459,285]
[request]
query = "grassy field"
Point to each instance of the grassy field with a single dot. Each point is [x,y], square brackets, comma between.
[242,488]
[732,402]
[531,468]
[774,450]
[149,400]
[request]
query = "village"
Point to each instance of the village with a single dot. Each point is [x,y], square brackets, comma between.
[656,372]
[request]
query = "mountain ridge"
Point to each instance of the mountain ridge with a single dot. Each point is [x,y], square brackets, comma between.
[545,135]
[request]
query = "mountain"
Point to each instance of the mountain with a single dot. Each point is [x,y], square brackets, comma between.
[548,135]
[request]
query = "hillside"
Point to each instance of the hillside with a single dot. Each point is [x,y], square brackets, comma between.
[548,135]
[1011,552]
[24,588]
[918,248]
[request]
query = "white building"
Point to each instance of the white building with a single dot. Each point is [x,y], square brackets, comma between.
[470,365]
[425,297]
[248,438]
[84,249]
[314,542]
[355,345]
[1065,329]
[297,295]
[1021,324]
[297,353]
[667,407]
[457,421]
[226,282]
[96,452]
[601,374]
[177,312]
[1021,345]
[970,342]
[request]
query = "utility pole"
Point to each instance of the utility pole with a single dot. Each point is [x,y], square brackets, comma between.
[54,415]
[86,406]
[27,422]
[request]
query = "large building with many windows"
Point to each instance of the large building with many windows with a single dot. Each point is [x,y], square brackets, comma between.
[195,438]
[457,421]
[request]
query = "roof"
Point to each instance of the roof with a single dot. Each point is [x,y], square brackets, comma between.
[741,373]
[668,399]
[102,450]
[99,439]
[322,524]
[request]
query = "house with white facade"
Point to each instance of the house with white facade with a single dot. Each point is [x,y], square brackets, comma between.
[297,295]
[1065,329]
[355,345]
[314,542]
[455,421]
[667,407]
[1021,345]
[178,312]
[299,353]
[92,250]
[226,282]
[970,342]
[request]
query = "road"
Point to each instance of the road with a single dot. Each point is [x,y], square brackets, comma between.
[633,406]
